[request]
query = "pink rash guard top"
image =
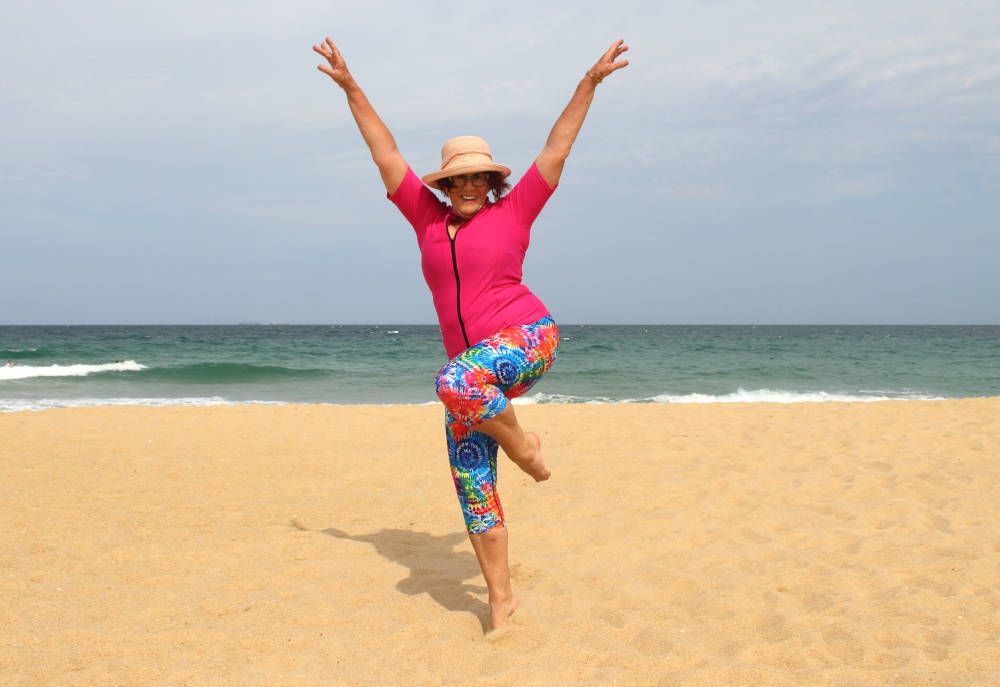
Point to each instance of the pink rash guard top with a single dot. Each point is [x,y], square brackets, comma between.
[475,278]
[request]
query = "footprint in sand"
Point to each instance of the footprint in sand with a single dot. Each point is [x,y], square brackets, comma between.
[941,524]
[841,644]
[755,536]
[654,641]
[773,628]
[938,587]
[815,601]
[610,616]
[522,573]
[938,644]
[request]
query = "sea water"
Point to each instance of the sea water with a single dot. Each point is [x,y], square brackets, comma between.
[64,366]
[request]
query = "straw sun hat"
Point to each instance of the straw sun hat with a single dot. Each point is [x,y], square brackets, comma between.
[464,155]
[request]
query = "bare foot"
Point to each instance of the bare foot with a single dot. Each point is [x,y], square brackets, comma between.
[532,462]
[501,611]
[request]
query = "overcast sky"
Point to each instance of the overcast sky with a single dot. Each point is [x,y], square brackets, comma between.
[759,162]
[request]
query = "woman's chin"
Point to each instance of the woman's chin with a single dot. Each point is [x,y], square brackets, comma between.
[467,210]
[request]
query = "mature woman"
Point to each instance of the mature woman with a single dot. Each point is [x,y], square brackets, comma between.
[499,336]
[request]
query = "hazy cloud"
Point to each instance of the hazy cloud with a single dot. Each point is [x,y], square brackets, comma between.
[757,162]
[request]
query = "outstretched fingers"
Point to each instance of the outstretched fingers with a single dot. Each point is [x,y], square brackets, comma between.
[323,50]
[335,67]
[615,66]
[616,49]
[614,52]
[608,64]
[332,48]
[327,49]
[326,55]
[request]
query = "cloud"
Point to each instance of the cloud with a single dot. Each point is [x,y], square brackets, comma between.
[211,122]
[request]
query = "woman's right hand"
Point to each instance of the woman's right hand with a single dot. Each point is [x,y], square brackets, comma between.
[335,68]
[382,145]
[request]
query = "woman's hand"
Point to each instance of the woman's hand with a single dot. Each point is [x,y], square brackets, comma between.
[382,145]
[553,156]
[336,68]
[606,65]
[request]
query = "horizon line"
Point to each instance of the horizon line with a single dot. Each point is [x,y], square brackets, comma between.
[566,324]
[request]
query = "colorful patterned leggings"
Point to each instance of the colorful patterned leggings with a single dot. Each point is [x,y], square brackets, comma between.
[474,387]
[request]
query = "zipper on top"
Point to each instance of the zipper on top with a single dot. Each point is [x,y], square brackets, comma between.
[458,284]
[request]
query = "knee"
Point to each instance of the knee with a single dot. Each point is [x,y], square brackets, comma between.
[449,385]
[457,386]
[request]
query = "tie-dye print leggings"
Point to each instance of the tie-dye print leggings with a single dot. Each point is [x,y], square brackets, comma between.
[475,386]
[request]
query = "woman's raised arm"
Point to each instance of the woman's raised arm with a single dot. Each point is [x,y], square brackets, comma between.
[553,156]
[382,145]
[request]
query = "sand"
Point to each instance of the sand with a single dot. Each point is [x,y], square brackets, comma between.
[723,544]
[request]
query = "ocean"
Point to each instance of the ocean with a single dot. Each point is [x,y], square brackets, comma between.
[66,366]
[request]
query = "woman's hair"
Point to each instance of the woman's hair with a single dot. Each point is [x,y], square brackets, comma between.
[497,184]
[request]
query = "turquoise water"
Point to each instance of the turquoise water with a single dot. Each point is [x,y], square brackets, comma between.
[60,366]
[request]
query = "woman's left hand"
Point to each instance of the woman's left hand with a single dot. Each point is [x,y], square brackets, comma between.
[551,160]
[606,65]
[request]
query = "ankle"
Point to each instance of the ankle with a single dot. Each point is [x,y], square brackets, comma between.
[525,447]
[501,596]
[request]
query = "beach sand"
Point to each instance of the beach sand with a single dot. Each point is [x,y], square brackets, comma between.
[722,544]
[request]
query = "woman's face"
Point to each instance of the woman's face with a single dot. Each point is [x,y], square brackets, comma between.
[466,197]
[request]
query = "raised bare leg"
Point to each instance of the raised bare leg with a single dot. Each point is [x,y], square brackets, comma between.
[491,551]
[524,448]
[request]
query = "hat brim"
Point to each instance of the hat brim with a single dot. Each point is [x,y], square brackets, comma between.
[433,178]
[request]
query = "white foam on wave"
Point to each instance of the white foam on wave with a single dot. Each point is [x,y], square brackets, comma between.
[739,396]
[18,405]
[29,371]
[561,398]
[778,396]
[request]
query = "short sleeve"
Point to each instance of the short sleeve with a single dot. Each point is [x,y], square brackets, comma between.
[418,203]
[526,200]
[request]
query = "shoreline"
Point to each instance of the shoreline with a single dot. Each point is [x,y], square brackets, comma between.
[397,364]
[736,398]
[751,543]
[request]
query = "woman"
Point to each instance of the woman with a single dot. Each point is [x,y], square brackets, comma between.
[499,336]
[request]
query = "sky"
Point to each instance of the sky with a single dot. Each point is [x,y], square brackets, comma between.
[786,162]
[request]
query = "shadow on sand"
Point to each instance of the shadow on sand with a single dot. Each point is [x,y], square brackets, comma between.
[436,568]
